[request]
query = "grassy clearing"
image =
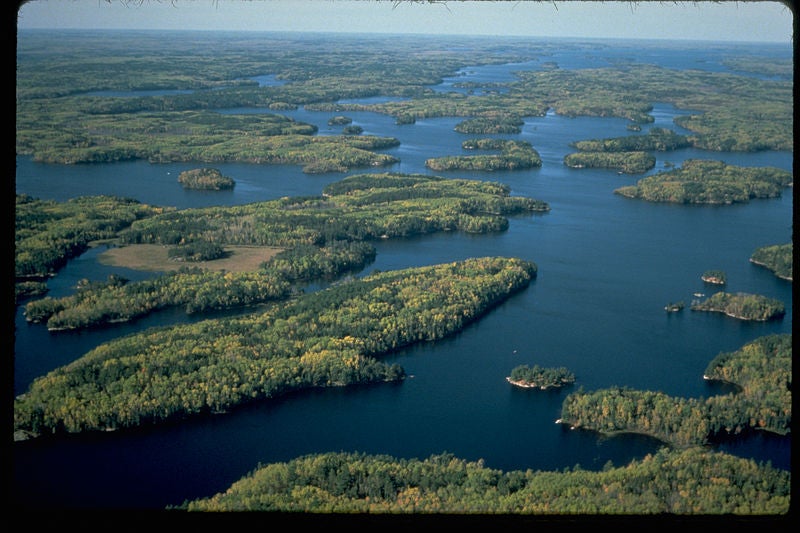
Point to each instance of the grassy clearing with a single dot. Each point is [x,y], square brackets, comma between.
[153,257]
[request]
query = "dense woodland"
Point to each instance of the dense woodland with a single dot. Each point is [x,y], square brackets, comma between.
[753,115]
[514,155]
[779,258]
[742,306]
[657,139]
[489,124]
[205,179]
[63,115]
[625,162]
[627,154]
[761,369]
[333,337]
[694,481]
[47,234]
[710,182]
[322,237]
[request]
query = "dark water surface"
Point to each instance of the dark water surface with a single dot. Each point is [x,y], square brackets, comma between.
[607,266]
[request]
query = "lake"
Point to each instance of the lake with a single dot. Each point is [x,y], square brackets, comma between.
[607,266]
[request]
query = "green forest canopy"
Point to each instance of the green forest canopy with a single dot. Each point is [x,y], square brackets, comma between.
[327,338]
[61,118]
[700,181]
[762,369]
[321,237]
[694,481]
[779,258]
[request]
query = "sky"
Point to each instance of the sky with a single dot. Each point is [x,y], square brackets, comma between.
[751,21]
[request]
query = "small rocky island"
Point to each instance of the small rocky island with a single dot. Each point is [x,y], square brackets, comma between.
[208,179]
[339,120]
[540,377]
[674,307]
[715,277]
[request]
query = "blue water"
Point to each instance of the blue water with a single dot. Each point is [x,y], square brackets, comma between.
[607,266]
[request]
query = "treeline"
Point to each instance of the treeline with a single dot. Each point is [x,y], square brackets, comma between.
[306,262]
[47,233]
[779,258]
[541,377]
[669,482]
[742,306]
[515,155]
[762,369]
[710,182]
[326,338]
[756,115]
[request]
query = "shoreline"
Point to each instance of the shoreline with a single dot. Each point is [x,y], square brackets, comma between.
[764,265]
[527,385]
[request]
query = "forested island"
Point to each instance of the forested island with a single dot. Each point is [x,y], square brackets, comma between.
[715,277]
[319,238]
[205,179]
[540,377]
[710,182]
[657,139]
[339,120]
[779,258]
[330,338]
[761,369]
[625,162]
[507,123]
[514,155]
[627,154]
[742,306]
[670,482]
